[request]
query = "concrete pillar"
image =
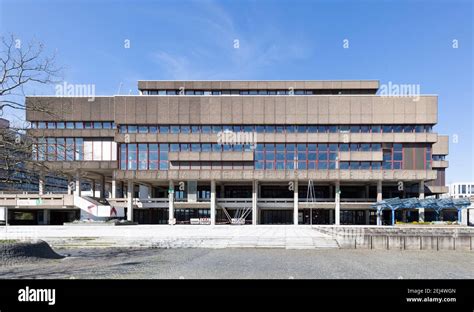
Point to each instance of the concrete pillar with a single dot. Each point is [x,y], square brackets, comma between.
[213,202]
[77,190]
[130,200]
[367,217]
[421,214]
[379,198]
[421,190]
[379,190]
[41,184]
[93,187]
[337,210]
[465,216]
[171,203]
[114,189]
[102,187]
[46,216]
[254,202]
[69,186]
[295,203]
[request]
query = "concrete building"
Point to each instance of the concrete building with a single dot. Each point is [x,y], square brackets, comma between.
[255,152]
[461,189]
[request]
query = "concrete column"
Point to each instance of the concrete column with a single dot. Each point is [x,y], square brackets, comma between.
[171,203]
[421,190]
[367,217]
[337,211]
[69,186]
[77,190]
[254,202]
[41,184]
[130,200]
[421,214]
[114,189]
[93,187]
[465,216]
[213,202]
[46,216]
[379,190]
[379,198]
[295,203]
[102,187]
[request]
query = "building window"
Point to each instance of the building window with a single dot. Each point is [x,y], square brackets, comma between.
[142,157]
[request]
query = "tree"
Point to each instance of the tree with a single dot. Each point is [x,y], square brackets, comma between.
[22,67]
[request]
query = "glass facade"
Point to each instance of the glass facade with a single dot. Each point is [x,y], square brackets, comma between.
[72,125]
[271,156]
[276,128]
[258,92]
[74,149]
[144,156]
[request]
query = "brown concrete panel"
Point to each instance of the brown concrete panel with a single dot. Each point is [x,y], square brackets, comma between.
[151,111]
[269,110]
[441,147]
[237,110]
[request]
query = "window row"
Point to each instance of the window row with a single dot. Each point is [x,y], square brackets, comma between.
[276,128]
[214,147]
[283,156]
[72,125]
[439,157]
[71,149]
[144,156]
[256,92]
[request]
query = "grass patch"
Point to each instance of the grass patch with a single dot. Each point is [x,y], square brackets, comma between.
[8,241]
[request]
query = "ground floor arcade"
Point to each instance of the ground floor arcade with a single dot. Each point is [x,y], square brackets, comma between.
[266,202]
[240,202]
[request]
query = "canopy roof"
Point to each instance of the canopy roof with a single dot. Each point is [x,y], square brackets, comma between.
[430,203]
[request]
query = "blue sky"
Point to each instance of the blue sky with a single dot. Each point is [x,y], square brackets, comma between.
[405,42]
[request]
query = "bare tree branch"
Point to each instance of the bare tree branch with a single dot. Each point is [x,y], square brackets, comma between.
[23,67]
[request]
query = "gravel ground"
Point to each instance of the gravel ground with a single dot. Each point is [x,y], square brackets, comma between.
[105,263]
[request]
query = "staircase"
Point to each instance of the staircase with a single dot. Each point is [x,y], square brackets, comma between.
[92,209]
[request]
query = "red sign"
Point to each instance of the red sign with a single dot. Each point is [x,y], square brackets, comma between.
[113,211]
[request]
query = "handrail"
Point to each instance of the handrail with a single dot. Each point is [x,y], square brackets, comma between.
[233,200]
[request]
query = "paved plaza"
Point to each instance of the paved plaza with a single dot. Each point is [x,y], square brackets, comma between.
[182,236]
[246,263]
